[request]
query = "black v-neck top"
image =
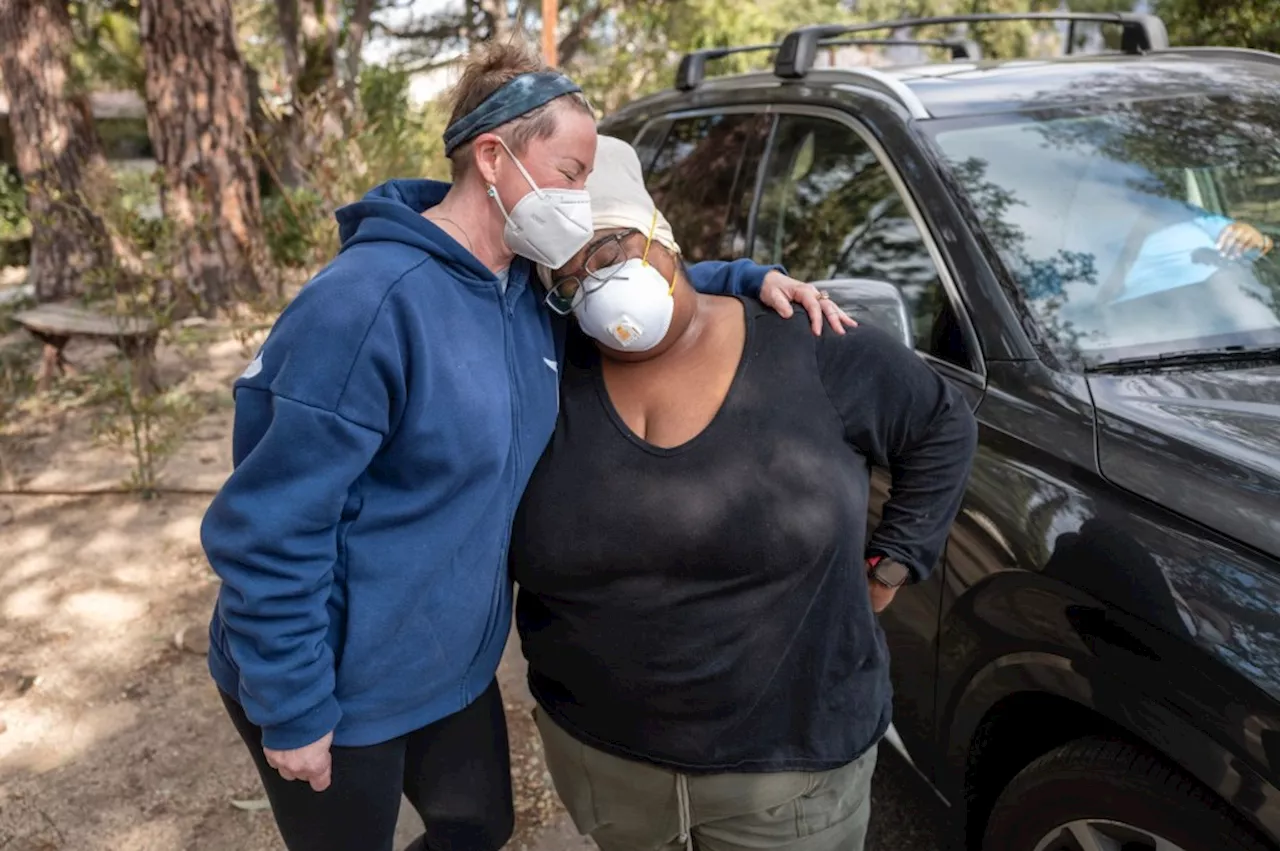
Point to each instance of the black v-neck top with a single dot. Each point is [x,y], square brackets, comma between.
[705,607]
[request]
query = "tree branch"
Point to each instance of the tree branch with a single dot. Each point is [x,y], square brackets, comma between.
[576,38]
[422,65]
[357,30]
[287,20]
[439,31]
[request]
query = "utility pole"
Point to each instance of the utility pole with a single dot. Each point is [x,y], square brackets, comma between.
[550,15]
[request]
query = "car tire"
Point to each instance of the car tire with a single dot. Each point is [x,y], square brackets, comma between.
[1124,791]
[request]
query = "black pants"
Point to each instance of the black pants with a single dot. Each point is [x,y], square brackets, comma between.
[456,773]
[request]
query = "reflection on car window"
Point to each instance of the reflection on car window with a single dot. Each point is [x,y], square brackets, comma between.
[701,168]
[830,210]
[1138,228]
[648,140]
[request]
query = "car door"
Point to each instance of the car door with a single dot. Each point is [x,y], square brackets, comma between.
[832,206]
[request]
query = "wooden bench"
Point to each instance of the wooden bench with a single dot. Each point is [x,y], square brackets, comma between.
[56,324]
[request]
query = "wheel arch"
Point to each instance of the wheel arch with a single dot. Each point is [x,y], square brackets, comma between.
[1021,706]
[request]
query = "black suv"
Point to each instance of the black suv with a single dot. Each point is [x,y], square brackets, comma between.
[1083,246]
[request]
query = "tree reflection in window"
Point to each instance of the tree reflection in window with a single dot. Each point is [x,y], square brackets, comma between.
[830,210]
[1106,216]
[702,166]
[1042,282]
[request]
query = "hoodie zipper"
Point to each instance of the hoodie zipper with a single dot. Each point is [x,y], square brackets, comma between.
[515,393]
[508,347]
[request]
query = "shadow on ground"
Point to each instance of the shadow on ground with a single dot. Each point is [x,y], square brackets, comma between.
[111,738]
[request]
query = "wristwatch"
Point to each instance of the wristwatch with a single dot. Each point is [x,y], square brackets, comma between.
[886,571]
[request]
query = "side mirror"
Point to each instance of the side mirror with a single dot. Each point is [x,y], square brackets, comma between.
[872,302]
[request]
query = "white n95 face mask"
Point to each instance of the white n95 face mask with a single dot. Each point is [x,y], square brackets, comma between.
[631,311]
[548,226]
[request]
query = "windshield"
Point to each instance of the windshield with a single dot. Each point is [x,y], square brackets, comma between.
[1134,229]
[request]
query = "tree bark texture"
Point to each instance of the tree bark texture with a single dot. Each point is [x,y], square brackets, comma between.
[198,114]
[56,145]
[357,32]
[310,31]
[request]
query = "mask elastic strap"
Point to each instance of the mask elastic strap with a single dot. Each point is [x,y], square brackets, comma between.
[648,240]
[648,243]
[493,193]
[519,165]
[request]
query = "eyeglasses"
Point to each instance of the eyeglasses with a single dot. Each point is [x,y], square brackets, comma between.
[604,260]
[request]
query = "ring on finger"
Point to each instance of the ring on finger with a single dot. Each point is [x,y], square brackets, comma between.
[823,295]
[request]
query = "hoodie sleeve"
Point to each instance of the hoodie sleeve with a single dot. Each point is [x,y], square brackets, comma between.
[720,277]
[310,416]
[1213,224]
[271,535]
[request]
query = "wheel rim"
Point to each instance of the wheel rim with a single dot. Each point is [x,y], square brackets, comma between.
[1103,835]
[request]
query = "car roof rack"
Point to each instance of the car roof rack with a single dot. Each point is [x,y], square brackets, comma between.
[1142,33]
[961,48]
[693,66]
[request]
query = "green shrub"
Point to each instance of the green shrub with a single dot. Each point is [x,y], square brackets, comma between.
[15,228]
[391,138]
[13,207]
[298,227]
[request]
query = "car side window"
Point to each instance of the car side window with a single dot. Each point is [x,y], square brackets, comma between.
[702,168]
[649,139]
[624,129]
[829,209]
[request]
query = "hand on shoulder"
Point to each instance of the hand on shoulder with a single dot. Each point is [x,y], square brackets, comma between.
[780,291]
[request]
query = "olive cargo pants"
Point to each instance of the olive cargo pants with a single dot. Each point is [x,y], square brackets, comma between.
[632,806]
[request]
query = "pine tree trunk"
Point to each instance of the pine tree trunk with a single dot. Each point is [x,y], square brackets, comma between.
[318,110]
[56,144]
[357,30]
[198,114]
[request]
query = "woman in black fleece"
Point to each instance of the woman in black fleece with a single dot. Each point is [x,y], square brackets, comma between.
[697,590]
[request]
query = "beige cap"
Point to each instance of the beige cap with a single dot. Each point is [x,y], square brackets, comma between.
[619,198]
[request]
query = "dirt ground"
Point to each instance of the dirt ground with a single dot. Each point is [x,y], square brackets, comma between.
[112,736]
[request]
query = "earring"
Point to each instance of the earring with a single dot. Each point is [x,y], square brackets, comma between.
[493,191]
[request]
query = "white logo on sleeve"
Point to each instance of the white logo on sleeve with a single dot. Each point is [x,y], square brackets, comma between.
[254,367]
[551,365]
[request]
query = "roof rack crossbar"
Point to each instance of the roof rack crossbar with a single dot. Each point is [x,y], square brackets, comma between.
[693,67]
[1142,33]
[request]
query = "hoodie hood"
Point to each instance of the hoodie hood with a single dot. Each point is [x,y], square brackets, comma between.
[393,212]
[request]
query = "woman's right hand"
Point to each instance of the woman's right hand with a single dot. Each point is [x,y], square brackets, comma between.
[311,763]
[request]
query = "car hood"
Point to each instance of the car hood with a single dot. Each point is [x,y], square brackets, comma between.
[1205,444]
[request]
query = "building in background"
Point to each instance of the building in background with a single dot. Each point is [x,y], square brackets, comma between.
[121,119]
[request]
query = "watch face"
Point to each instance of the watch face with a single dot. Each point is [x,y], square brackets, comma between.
[891,573]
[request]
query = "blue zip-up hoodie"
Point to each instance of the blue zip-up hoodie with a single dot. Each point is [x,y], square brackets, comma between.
[383,436]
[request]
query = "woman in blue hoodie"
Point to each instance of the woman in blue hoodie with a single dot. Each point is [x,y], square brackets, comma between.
[384,434]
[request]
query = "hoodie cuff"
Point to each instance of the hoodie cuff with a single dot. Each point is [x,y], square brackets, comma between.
[309,727]
[755,279]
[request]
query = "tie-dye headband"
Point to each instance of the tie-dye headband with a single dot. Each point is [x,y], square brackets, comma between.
[518,97]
